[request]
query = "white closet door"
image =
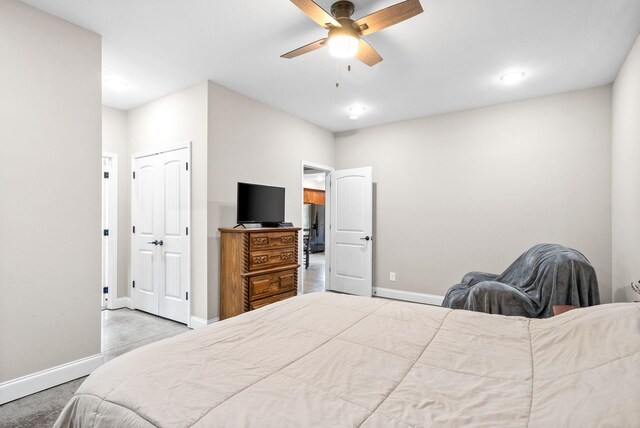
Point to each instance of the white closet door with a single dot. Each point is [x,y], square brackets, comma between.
[174,252]
[161,266]
[147,220]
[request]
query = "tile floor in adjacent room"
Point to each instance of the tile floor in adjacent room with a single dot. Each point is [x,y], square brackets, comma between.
[314,274]
[122,331]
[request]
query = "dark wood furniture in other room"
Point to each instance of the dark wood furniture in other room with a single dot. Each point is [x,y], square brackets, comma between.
[257,267]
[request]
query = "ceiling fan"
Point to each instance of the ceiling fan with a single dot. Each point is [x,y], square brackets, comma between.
[345,35]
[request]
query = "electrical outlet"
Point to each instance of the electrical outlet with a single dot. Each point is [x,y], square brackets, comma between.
[392,276]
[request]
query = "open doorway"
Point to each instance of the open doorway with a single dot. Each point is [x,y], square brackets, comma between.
[315,225]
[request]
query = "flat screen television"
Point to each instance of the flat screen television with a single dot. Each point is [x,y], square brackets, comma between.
[260,204]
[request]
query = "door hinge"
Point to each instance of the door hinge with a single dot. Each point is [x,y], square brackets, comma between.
[187,295]
[134,284]
[187,230]
[187,166]
[106,174]
[134,175]
[105,290]
[105,232]
[134,229]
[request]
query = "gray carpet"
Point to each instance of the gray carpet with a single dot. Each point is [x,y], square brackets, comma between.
[122,331]
[38,410]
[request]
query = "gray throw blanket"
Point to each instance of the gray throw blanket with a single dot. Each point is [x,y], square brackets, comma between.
[544,276]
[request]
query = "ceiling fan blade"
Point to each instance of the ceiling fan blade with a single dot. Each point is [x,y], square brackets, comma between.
[304,49]
[368,54]
[388,16]
[315,12]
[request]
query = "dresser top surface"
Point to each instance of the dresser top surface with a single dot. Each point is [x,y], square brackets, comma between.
[259,229]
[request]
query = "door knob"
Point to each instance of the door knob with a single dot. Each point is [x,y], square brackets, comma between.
[366,238]
[160,243]
[154,242]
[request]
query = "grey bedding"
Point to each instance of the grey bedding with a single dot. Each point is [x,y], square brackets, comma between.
[544,276]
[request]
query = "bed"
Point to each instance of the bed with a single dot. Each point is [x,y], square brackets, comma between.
[327,359]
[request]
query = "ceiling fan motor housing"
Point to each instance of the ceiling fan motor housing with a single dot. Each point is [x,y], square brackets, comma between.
[342,9]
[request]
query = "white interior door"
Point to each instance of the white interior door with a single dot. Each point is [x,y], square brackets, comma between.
[161,266]
[351,231]
[175,264]
[106,170]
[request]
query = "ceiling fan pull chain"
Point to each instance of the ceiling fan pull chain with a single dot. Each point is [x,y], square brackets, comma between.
[349,67]
[337,72]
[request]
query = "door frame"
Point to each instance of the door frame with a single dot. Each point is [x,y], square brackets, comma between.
[327,223]
[112,215]
[152,152]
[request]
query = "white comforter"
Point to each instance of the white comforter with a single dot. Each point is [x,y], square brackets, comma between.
[334,360]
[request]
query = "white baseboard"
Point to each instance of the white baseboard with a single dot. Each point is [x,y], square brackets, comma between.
[26,385]
[197,323]
[409,296]
[121,302]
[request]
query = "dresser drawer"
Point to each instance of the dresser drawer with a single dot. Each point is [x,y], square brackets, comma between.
[263,302]
[270,258]
[262,286]
[270,240]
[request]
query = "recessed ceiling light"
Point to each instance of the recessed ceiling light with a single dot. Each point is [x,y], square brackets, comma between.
[512,77]
[115,83]
[355,111]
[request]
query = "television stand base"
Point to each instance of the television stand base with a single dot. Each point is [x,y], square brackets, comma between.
[270,224]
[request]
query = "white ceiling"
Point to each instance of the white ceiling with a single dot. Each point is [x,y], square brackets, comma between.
[448,58]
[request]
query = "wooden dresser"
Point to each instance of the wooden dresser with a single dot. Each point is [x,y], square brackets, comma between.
[257,267]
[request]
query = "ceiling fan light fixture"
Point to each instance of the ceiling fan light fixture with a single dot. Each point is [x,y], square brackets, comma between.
[343,46]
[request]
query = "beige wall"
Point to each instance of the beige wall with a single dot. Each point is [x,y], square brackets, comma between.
[252,142]
[626,178]
[473,190]
[50,188]
[114,140]
[169,121]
